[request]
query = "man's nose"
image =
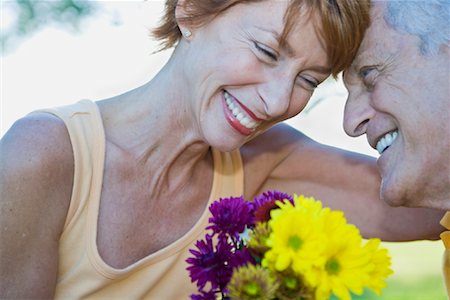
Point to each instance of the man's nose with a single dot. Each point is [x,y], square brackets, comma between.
[357,113]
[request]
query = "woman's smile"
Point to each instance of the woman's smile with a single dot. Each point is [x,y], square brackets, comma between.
[239,116]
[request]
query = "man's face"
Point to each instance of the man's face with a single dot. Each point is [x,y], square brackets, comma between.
[400,99]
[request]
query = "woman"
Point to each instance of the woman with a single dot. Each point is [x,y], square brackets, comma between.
[104,200]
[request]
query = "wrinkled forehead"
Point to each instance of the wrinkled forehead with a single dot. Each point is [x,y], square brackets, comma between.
[380,40]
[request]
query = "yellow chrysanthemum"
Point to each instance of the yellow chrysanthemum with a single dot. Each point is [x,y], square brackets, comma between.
[382,263]
[311,205]
[324,250]
[297,237]
[348,265]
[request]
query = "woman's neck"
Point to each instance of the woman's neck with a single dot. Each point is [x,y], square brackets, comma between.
[155,124]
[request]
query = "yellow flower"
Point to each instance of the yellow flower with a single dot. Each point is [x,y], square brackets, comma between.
[323,250]
[297,237]
[382,263]
[349,266]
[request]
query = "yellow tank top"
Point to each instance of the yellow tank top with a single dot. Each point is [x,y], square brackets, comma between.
[82,273]
[445,236]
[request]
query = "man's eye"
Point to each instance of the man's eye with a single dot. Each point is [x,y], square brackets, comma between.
[368,75]
[266,51]
[365,71]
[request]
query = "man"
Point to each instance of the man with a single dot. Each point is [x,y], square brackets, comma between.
[399,96]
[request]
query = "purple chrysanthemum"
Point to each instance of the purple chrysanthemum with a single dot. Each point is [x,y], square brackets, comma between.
[271,196]
[210,295]
[230,216]
[264,203]
[209,264]
[241,257]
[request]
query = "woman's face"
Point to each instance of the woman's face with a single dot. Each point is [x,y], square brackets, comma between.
[241,81]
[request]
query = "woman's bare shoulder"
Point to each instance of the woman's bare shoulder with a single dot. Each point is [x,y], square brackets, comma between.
[38,142]
[36,174]
[36,164]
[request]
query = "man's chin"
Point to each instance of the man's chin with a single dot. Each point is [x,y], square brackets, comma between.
[400,198]
[392,195]
[391,202]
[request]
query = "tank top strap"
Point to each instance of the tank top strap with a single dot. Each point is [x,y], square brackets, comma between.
[84,125]
[228,167]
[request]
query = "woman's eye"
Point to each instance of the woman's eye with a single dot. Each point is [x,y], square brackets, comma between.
[266,51]
[312,83]
[308,83]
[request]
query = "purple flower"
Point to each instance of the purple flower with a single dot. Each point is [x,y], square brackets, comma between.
[241,257]
[230,216]
[211,295]
[271,196]
[264,203]
[209,264]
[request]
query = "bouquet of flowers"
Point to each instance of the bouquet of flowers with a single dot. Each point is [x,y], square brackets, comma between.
[283,247]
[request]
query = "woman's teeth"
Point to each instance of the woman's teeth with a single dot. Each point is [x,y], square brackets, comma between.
[238,113]
[386,141]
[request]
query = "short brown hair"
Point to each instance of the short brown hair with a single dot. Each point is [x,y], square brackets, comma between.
[343,23]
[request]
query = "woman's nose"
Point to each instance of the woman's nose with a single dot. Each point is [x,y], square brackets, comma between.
[276,95]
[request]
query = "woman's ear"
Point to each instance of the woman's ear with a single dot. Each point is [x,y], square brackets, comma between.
[181,18]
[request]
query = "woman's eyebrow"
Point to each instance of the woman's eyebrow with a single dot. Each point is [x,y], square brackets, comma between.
[277,36]
[290,51]
[321,69]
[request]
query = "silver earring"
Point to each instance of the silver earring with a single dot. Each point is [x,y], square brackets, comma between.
[186,33]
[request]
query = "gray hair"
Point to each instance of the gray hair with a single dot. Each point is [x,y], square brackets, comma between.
[427,19]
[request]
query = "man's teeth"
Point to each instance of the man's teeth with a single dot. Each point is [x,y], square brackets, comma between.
[386,141]
[236,111]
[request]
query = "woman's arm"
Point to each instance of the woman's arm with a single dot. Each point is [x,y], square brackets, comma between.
[36,173]
[343,180]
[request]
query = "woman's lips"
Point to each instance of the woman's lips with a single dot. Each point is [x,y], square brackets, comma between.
[238,116]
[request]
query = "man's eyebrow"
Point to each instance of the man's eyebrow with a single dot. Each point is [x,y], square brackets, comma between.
[358,63]
[372,55]
[277,36]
